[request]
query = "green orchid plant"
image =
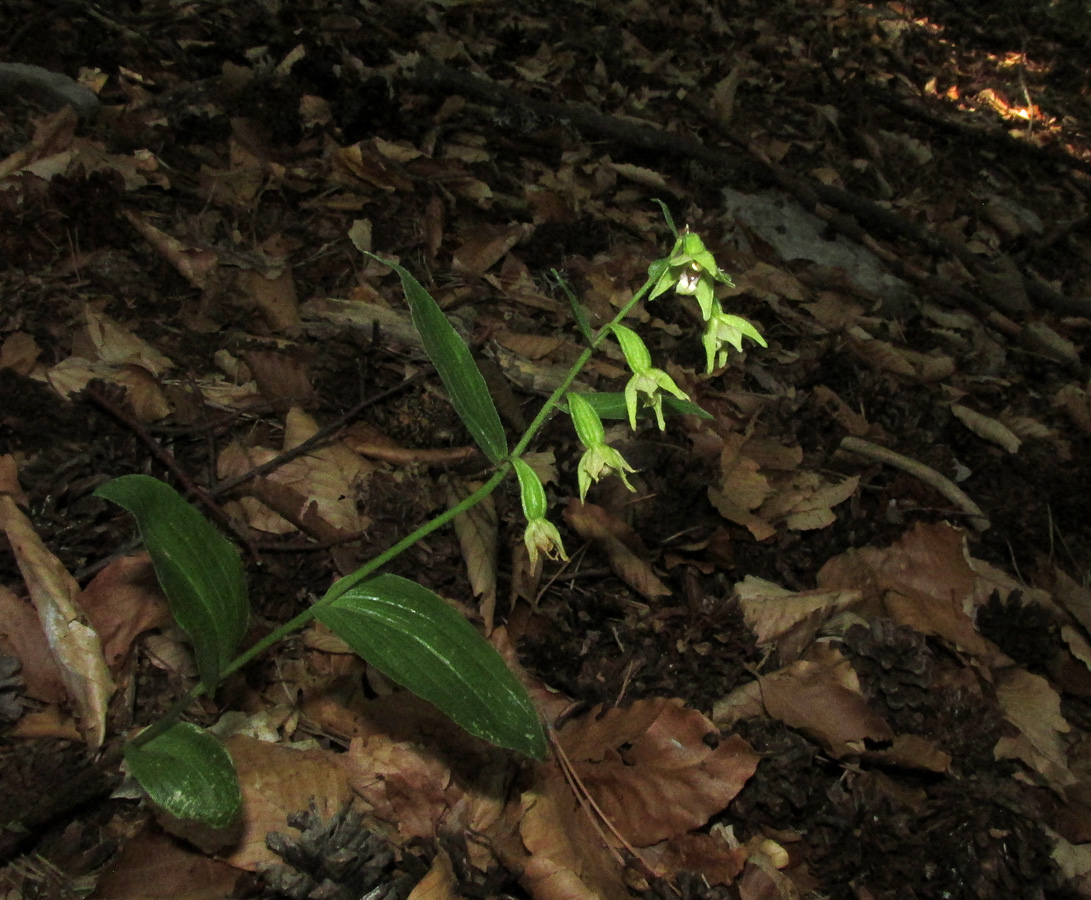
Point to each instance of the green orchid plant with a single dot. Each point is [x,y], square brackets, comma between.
[402,628]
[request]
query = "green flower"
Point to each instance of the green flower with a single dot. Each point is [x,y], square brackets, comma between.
[647,380]
[691,270]
[724,330]
[541,535]
[600,458]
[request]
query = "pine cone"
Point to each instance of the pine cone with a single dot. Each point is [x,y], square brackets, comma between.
[893,663]
[11,704]
[338,859]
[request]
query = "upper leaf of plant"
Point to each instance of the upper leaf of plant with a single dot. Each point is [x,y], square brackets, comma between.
[611,405]
[187,772]
[413,637]
[199,570]
[451,357]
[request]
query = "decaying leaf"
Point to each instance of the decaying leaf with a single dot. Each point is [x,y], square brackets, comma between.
[479,538]
[73,642]
[650,769]
[619,542]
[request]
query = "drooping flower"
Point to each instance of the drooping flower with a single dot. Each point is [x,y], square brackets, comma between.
[647,382]
[723,330]
[599,458]
[541,535]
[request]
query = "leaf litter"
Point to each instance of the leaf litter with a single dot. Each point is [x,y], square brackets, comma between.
[836,642]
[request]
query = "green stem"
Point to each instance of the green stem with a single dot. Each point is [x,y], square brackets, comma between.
[342,585]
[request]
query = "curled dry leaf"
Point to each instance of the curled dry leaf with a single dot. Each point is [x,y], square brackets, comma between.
[987,428]
[622,546]
[72,641]
[479,538]
[790,619]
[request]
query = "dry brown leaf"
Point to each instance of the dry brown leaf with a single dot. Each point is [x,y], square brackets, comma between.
[1076,404]
[19,352]
[479,537]
[911,751]
[143,393]
[275,781]
[852,421]
[923,580]
[621,545]
[153,866]
[439,883]
[1032,704]
[72,641]
[21,636]
[9,479]
[420,773]
[532,346]
[651,772]
[1073,596]
[987,428]
[401,785]
[105,340]
[743,484]
[274,296]
[790,619]
[880,354]
[121,602]
[316,492]
[823,700]
[569,859]
[711,857]
[483,245]
[365,162]
[730,510]
[280,378]
[196,266]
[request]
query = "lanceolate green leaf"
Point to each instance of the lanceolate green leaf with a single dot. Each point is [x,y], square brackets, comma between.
[199,570]
[412,636]
[611,405]
[188,773]
[452,359]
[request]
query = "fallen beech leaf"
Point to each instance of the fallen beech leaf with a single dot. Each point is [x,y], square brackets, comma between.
[439,883]
[706,855]
[922,580]
[621,545]
[153,865]
[479,537]
[104,340]
[1031,704]
[419,773]
[275,780]
[21,635]
[123,601]
[483,245]
[910,751]
[72,641]
[651,772]
[568,858]
[790,619]
[823,701]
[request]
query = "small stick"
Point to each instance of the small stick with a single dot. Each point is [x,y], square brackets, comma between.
[929,476]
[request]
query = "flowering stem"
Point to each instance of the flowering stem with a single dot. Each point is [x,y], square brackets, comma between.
[342,585]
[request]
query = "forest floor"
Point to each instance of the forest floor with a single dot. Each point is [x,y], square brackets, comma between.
[836,644]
